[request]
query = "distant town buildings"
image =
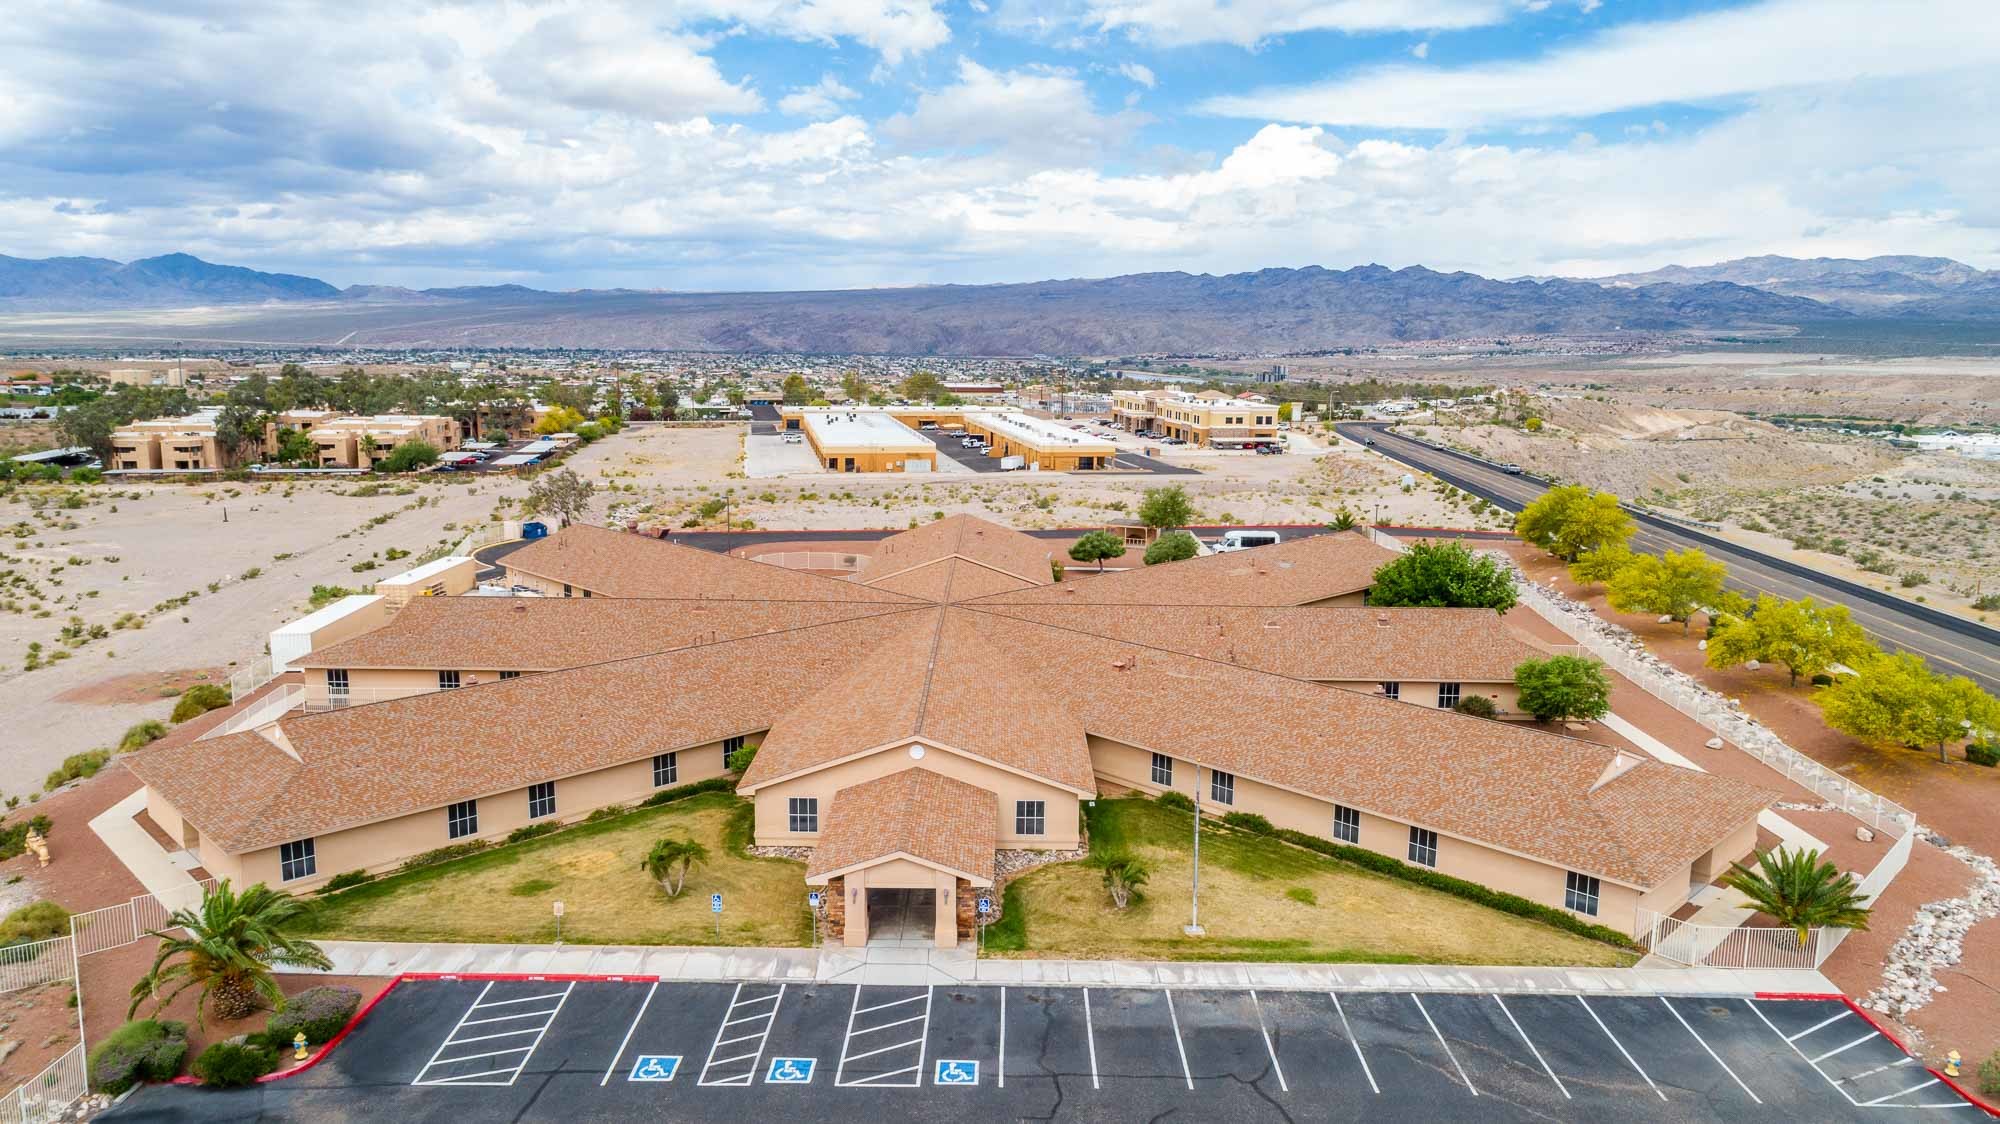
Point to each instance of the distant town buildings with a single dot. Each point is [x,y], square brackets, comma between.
[1209,419]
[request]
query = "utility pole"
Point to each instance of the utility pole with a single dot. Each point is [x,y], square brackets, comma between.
[1194,928]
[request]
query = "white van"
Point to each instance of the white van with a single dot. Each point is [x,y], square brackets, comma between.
[1244,540]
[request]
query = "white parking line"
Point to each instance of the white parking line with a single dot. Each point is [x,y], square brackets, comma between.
[1090,1036]
[524,999]
[1844,1012]
[1711,1053]
[768,1018]
[889,1004]
[627,1040]
[1185,1072]
[1802,1054]
[921,1042]
[1904,1093]
[1268,1048]
[1000,1071]
[1531,1046]
[1355,1042]
[1442,1042]
[1620,1045]
[527,1052]
[1843,1049]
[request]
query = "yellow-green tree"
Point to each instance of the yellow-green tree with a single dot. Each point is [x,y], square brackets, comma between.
[561,419]
[1895,699]
[1805,636]
[1600,565]
[1572,520]
[1678,583]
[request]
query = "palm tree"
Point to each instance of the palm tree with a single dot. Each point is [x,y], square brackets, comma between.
[670,860]
[227,951]
[1123,875]
[1802,892]
[1343,520]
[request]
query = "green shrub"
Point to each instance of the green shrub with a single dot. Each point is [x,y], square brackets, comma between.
[530,831]
[141,734]
[1248,821]
[38,921]
[87,475]
[1989,1074]
[75,766]
[324,595]
[1981,753]
[142,1050]
[1172,799]
[226,1065]
[199,700]
[346,879]
[1302,895]
[1822,680]
[739,761]
[682,792]
[14,836]
[408,457]
[606,812]
[444,854]
[318,1012]
[1479,706]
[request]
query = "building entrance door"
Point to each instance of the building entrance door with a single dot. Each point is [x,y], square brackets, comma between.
[902,918]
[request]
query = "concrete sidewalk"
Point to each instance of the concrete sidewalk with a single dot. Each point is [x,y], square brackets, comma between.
[911,966]
[162,874]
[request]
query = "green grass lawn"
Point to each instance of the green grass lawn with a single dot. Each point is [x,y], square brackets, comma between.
[1260,900]
[506,894]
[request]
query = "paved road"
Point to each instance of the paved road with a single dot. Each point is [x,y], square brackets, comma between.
[553,1049]
[1951,644]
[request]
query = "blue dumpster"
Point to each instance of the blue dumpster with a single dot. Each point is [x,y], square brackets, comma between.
[536,530]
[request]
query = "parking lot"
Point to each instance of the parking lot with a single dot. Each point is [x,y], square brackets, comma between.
[465,1049]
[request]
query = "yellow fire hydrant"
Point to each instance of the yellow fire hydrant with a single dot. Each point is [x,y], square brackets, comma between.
[299,1044]
[1951,1061]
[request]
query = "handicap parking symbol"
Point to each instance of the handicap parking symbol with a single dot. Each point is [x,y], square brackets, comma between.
[956,1073]
[655,1067]
[791,1071]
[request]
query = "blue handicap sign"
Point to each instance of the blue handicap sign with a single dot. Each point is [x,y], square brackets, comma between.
[956,1072]
[715,903]
[791,1071]
[655,1067]
[986,905]
[812,899]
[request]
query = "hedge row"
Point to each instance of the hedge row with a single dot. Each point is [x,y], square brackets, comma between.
[143,1050]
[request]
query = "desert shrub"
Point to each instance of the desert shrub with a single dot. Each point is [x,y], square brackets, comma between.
[142,1050]
[1981,753]
[226,1065]
[1913,578]
[1170,799]
[1987,602]
[444,854]
[408,457]
[14,836]
[38,921]
[319,1013]
[346,879]
[199,700]
[87,475]
[75,766]
[1479,706]
[142,733]
[1248,821]
[1989,1074]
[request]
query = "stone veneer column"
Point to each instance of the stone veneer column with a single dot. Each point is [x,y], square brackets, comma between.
[834,895]
[968,910]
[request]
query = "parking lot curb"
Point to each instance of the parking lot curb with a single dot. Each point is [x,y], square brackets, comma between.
[1976,1100]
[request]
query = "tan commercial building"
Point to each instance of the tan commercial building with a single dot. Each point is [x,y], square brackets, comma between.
[894,438]
[358,442]
[948,705]
[184,444]
[862,440]
[1209,419]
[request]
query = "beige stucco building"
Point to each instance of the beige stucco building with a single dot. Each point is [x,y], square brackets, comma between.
[1208,418]
[183,444]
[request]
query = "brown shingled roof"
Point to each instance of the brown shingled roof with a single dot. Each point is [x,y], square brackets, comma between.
[621,564]
[967,537]
[1295,572]
[924,815]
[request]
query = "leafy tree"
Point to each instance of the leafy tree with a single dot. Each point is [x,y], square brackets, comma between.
[295,447]
[1601,565]
[91,423]
[1285,411]
[561,419]
[1172,547]
[1166,508]
[1896,699]
[1123,875]
[238,426]
[1805,636]
[921,385]
[227,949]
[852,384]
[670,398]
[1343,520]
[670,861]
[1563,688]
[1096,546]
[1570,520]
[1443,575]
[1801,892]
[408,457]
[797,393]
[564,495]
[1677,583]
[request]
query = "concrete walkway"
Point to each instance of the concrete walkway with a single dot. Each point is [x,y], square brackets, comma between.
[150,863]
[918,967]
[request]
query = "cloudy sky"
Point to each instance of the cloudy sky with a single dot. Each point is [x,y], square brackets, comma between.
[777,144]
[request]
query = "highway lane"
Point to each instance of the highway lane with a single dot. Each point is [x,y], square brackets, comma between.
[1949,644]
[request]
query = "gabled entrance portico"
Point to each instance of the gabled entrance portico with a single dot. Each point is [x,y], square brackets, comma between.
[902,858]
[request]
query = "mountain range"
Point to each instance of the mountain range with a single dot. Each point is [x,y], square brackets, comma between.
[1270,310]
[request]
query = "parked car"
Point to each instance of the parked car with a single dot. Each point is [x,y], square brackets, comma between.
[1244,540]
[927,425]
[1268,450]
[1511,469]
[1368,441]
[793,437]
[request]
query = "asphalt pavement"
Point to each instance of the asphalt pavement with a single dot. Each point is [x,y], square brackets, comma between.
[1950,644]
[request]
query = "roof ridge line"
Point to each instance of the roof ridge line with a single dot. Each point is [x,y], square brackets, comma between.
[930,666]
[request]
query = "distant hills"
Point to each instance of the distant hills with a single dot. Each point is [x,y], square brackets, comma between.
[1275,310]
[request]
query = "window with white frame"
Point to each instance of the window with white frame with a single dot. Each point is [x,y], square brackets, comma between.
[1031,817]
[461,819]
[666,769]
[1447,696]
[802,814]
[1580,893]
[1392,690]
[1163,770]
[296,860]
[1346,824]
[447,680]
[1423,847]
[510,675]
[1222,787]
[541,800]
[336,682]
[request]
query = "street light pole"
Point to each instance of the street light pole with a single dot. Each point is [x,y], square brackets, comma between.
[1194,928]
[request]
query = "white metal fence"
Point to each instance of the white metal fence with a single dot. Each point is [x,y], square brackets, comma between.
[1729,946]
[813,560]
[486,534]
[270,708]
[116,926]
[45,1096]
[25,965]
[251,676]
[1877,881]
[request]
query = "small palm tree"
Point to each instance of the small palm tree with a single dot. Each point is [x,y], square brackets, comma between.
[227,951]
[1123,875]
[1802,892]
[1343,520]
[670,860]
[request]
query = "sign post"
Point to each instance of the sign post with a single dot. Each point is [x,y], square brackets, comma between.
[715,907]
[813,902]
[559,916]
[985,917]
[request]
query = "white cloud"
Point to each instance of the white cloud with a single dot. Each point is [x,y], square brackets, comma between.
[1139,73]
[1777,45]
[896,28]
[1043,114]
[1180,23]
[1422,50]
[822,99]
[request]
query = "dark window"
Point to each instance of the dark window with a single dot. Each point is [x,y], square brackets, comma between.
[803,814]
[296,860]
[1580,894]
[731,745]
[1423,847]
[1163,770]
[1030,817]
[666,769]
[1222,787]
[1346,824]
[1392,690]
[541,800]
[1447,696]
[586,593]
[336,682]
[461,819]
[510,675]
[566,589]
[447,680]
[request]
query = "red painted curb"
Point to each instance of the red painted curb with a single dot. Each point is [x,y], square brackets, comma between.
[1801,995]
[1972,1098]
[1870,1020]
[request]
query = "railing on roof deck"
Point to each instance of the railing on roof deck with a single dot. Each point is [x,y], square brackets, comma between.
[48,1095]
[259,671]
[268,709]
